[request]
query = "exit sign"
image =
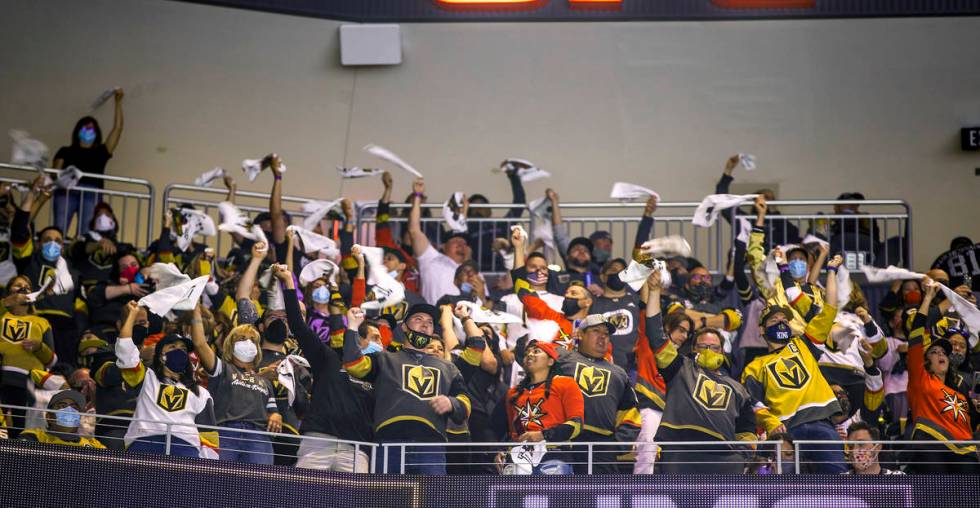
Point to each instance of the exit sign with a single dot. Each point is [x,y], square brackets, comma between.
[970,139]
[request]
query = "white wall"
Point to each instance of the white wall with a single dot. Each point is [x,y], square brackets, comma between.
[827,105]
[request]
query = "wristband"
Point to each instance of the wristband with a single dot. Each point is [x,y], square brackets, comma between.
[277,177]
[832,269]
[418,195]
[783,268]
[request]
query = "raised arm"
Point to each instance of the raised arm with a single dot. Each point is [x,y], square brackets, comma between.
[724,183]
[520,197]
[232,187]
[518,241]
[244,291]
[201,347]
[420,243]
[275,201]
[112,141]
[449,338]
[290,238]
[645,228]
[814,274]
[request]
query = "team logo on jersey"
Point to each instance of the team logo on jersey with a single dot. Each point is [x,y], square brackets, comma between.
[954,405]
[16,330]
[47,272]
[621,319]
[711,394]
[530,413]
[593,381]
[101,260]
[420,381]
[789,372]
[172,398]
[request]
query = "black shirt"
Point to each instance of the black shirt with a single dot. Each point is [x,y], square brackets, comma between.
[89,160]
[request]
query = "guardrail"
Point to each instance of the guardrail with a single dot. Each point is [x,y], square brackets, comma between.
[132,200]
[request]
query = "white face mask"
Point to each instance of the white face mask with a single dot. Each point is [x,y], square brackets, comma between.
[245,351]
[104,223]
[393,274]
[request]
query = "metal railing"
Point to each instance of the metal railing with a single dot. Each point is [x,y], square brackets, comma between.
[132,200]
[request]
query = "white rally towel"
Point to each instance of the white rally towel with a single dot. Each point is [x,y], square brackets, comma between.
[744,230]
[541,222]
[747,161]
[104,97]
[627,191]
[489,316]
[233,221]
[357,172]
[386,289]
[27,150]
[636,274]
[707,212]
[270,283]
[32,297]
[843,286]
[317,210]
[208,177]
[526,457]
[182,296]
[167,275]
[810,239]
[318,269]
[312,243]
[287,374]
[452,213]
[388,155]
[526,170]
[667,247]
[63,283]
[68,178]
[193,223]
[252,167]
[967,311]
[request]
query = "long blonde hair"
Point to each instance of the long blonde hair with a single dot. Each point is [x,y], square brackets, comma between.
[241,332]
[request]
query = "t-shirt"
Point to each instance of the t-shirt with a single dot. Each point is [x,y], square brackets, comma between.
[623,313]
[437,272]
[240,396]
[89,160]
[960,262]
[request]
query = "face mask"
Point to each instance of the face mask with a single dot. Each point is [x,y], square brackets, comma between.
[139,334]
[678,278]
[393,274]
[863,459]
[539,278]
[700,292]
[797,268]
[51,251]
[578,263]
[709,359]
[570,306]
[956,359]
[321,295]
[68,417]
[614,283]
[276,332]
[779,333]
[129,273]
[104,223]
[418,340]
[600,255]
[86,135]
[372,347]
[845,405]
[245,351]
[466,288]
[176,360]
[913,297]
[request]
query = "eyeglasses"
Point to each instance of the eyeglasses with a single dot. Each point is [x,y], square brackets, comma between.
[700,278]
[714,347]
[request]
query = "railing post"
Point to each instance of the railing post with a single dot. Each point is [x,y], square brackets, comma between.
[402,466]
[384,468]
[796,457]
[166,450]
[779,457]
[589,460]
[373,467]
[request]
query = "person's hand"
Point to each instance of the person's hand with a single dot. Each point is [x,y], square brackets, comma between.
[357,254]
[259,250]
[500,244]
[778,256]
[536,246]
[507,356]
[208,254]
[966,292]
[441,404]
[533,436]
[275,164]
[30,345]
[651,206]
[863,313]
[836,261]
[864,350]
[275,423]
[551,195]
[348,207]
[902,347]
[118,94]
[386,180]
[595,289]
[107,247]
[653,282]
[6,188]
[137,290]
[931,287]
[270,371]
[825,250]
[462,311]
[479,285]
[780,429]
[355,316]
[168,219]
[281,272]
[14,300]
[730,164]
[418,186]
[229,182]
[517,237]
[760,205]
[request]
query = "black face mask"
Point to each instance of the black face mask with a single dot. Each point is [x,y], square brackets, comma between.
[780,333]
[700,292]
[418,340]
[678,279]
[614,283]
[276,332]
[578,263]
[570,306]
[139,334]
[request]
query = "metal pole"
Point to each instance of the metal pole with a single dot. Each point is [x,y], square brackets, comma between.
[166,450]
[402,467]
[796,457]
[779,457]
[589,462]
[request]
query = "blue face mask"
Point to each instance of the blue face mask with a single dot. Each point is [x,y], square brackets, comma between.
[797,268]
[86,135]
[51,251]
[465,288]
[372,347]
[68,417]
[321,295]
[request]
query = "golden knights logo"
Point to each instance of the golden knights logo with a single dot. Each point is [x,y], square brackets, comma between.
[621,319]
[593,381]
[47,272]
[172,398]
[420,381]
[101,260]
[16,330]
[712,395]
[789,372]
